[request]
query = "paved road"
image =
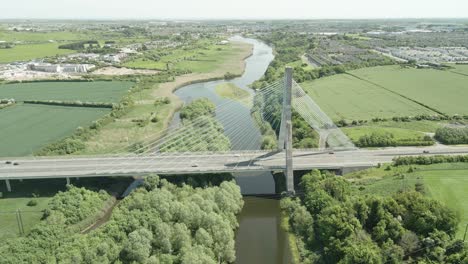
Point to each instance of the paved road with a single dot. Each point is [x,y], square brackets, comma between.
[241,161]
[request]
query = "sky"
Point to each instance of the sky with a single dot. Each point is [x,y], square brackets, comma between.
[232,9]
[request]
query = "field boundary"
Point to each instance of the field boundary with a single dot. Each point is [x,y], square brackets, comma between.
[459,73]
[403,96]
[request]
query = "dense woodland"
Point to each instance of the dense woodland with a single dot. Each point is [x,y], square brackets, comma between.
[333,224]
[159,222]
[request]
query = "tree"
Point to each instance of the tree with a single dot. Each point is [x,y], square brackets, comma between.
[138,246]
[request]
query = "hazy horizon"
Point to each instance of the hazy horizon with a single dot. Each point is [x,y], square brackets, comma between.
[230,10]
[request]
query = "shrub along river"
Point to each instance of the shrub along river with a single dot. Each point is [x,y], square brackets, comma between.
[260,238]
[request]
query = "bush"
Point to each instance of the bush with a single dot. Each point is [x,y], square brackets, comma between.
[197,108]
[32,203]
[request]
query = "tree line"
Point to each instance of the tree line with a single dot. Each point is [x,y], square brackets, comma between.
[452,135]
[386,139]
[333,224]
[72,103]
[427,160]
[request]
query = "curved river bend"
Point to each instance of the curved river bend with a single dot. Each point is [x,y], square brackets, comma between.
[260,238]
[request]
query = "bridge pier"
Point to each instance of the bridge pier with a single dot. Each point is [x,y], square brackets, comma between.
[285,136]
[68,181]
[8,186]
[289,160]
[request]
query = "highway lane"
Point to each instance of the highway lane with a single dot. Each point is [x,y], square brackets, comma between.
[240,161]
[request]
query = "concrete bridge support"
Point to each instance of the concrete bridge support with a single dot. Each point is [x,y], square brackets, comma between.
[285,136]
[8,186]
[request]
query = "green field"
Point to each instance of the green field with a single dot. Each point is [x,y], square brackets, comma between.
[66,91]
[462,69]
[31,51]
[390,91]
[346,97]
[438,89]
[26,128]
[447,183]
[203,59]
[28,36]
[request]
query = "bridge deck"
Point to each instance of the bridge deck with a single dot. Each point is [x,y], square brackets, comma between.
[240,161]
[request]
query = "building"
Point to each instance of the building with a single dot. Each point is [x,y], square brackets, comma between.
[58,68]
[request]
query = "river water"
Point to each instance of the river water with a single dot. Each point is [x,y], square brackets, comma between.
[260,238]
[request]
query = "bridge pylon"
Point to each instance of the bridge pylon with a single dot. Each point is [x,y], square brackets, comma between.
[285,135]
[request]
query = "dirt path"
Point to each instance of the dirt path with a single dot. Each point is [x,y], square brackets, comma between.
[101,220]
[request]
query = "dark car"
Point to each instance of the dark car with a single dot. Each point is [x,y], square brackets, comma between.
[426,151]
[15,164]
[7,162]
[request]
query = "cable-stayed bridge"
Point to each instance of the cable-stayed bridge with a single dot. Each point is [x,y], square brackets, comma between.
[230,144]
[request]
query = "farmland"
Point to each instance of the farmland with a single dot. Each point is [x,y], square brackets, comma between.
[390,91]
[27,128]
[346,97]
[461,69]
[437,89]
[203,59]
[447,183]
[67,91]
[31,51]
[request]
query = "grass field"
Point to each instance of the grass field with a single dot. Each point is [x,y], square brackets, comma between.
[231,91]
[199,60]
[462,69]
[447,183]
[26,128]
[31,51]
[66,91]
[441,90]
[419,126]
[28,36]
[346,97]
[390,91]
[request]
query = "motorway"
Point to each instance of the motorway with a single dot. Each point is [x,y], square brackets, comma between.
[237,161]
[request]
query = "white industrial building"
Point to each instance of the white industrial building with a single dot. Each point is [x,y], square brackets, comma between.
[57,68]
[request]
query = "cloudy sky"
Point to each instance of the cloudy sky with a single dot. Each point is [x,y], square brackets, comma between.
[226,9]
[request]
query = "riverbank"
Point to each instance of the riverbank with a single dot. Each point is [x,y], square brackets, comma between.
[125,132]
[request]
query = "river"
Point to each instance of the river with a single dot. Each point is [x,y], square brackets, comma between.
[260,238]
